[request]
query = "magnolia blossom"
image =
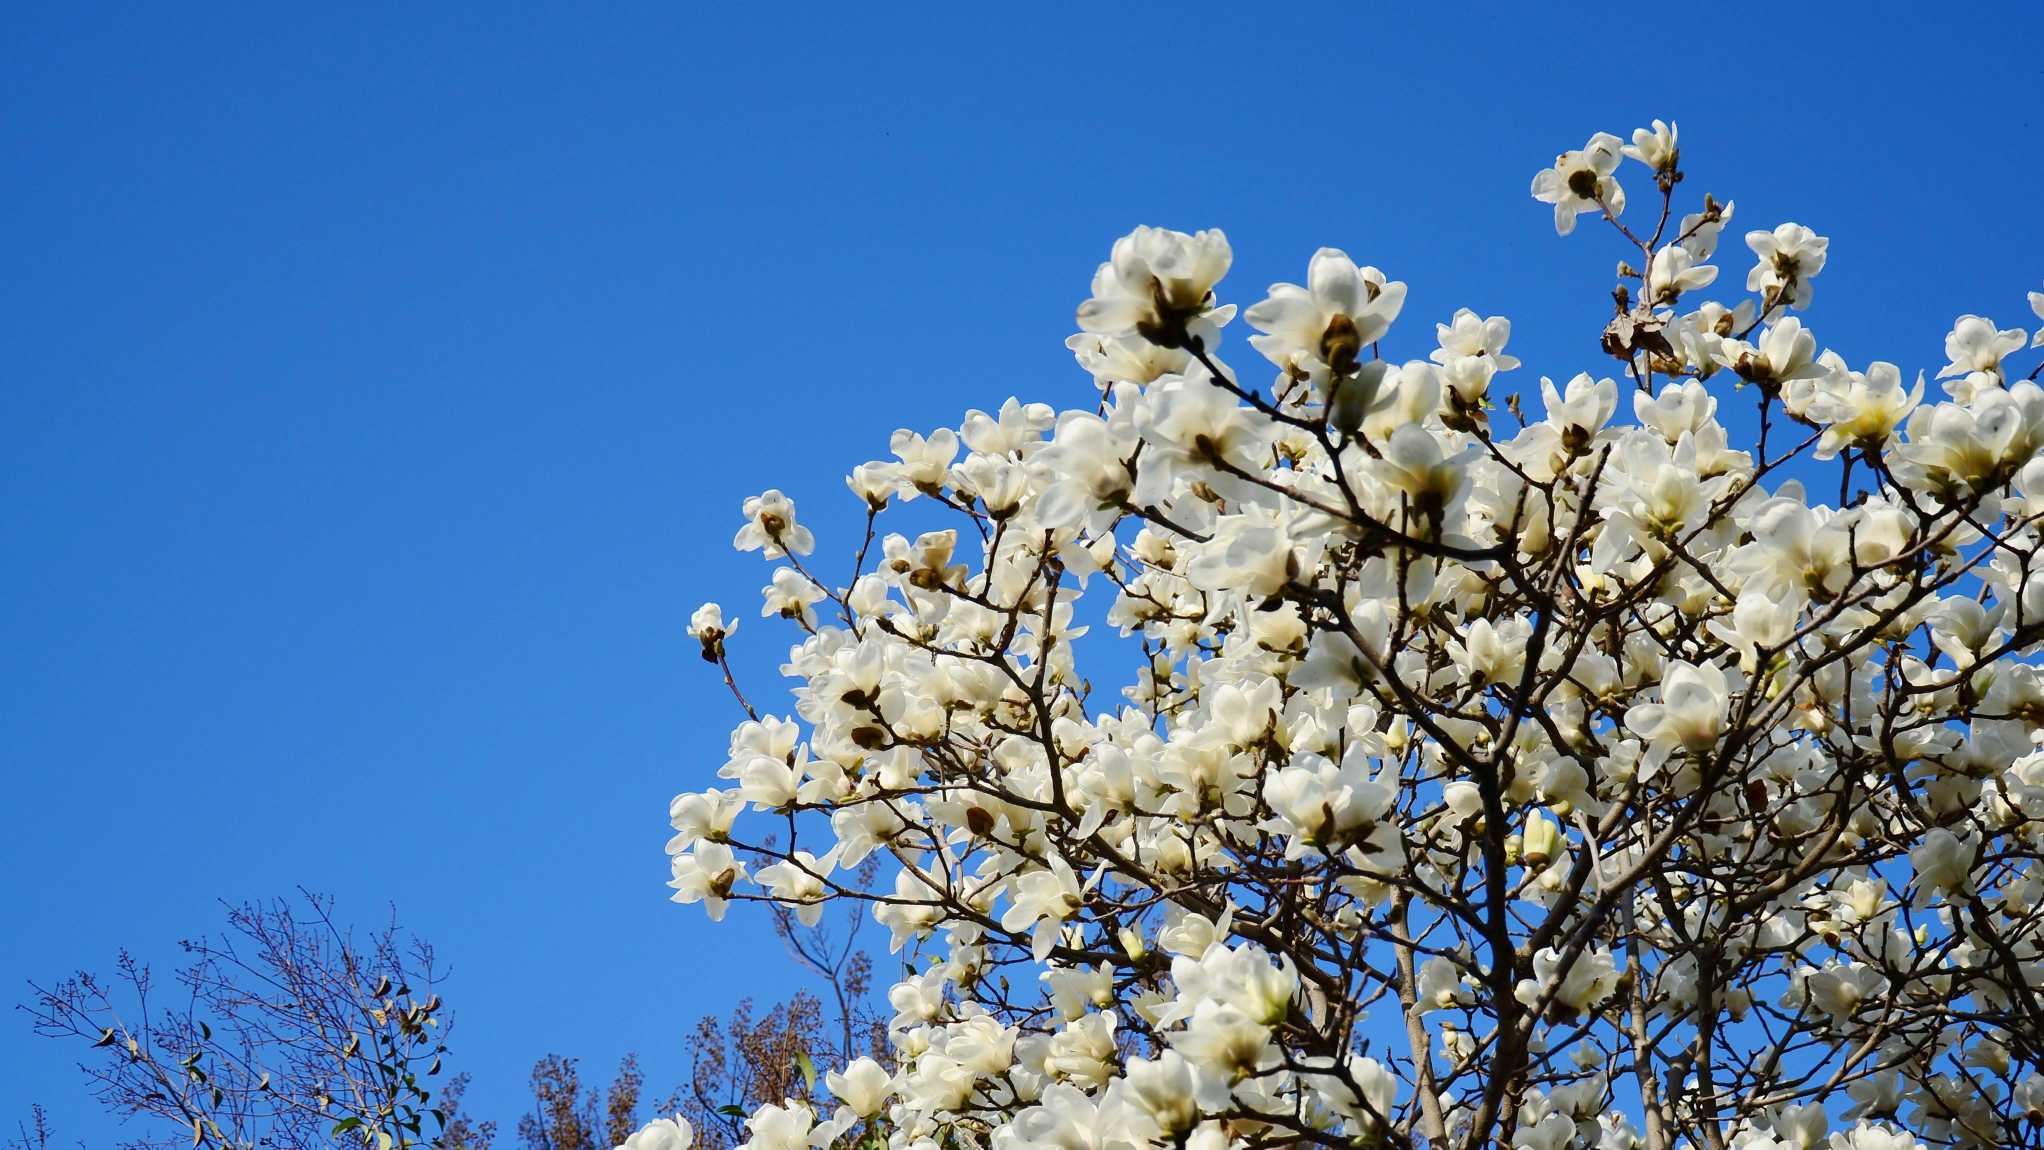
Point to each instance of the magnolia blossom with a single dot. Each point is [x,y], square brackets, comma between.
[1975,345]
[708,627]
[1867,1136]
[1841,988]
[1409,755]
[1676,269]
[1581,181]
[1575,987]
[1785,355]
[862,1086]
[779,1127]
[1322,330]
[1159,284]
[1655,146]
[1789,257]
[770,526]
[706,873]
[1863,410]
[708,623]
[662,1134]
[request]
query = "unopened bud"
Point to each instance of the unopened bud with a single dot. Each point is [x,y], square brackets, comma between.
[1541,840]
[1356,395]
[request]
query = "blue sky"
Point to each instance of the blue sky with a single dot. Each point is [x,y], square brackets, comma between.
[378,388]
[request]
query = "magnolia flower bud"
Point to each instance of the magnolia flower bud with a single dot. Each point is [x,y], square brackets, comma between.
[1132,944]
[1356,394]
[1541,840]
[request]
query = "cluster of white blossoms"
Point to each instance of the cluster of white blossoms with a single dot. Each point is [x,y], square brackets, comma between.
[1658,767]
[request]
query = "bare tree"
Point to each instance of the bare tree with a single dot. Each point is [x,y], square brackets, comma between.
[284,1031]
[33,1133]
[287,1032]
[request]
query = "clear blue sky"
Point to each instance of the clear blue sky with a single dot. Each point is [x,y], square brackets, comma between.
[378,388]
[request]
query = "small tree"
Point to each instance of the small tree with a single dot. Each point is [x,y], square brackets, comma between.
[33,1132]
[268,1043]
[285,1031]
[1657,767]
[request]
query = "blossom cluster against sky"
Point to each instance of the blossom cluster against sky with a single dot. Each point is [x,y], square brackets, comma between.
[380,389]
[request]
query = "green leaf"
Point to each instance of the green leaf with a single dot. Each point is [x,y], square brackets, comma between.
[733,1111]
[343,1126]
[808,1069]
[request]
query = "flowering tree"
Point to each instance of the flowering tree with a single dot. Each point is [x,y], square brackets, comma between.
[1483,777]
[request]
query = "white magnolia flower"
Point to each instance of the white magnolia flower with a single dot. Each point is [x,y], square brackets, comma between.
[1578,986]
[1699,231]
[1125,357]
[1167,1090]
[1581,411]
[701,815]
[1867,1136]
[770,525]
[1252,554]
[662,1134]
[1196,422]
[1429,480]
[1675,269]
[1326,807]
[1581,181]
[1862,410]
[1467,335]
[1789,257]
[706,874]
[1223,1040]
[800,881]
[1876,1096]
[1043,900]
[925,460]
[1325,329]
[1085,476]
[1691,713]
[789,596]
[874,483]
[1975,345]
[1487,654]
[863,1086]
[1159,284]
[779,1127]
[1655,146]
[1800,1127]
[1841,988]
[708,623]
[1944,862]
[1785,354]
